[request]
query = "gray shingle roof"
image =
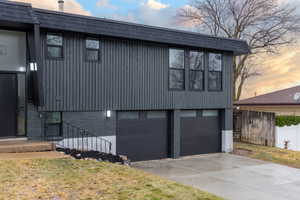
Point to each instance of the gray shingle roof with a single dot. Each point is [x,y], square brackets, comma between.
[289,96]
[71,22]
[16,12]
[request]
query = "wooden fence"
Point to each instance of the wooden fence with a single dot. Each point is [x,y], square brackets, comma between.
[254,127]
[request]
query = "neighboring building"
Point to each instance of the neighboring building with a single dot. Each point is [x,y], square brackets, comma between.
[282,102]
[154,92]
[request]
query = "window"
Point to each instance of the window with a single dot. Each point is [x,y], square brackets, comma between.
[156,115]
[128,115]
[92,49]
[176,69]
[188,113]
[53,124]
[53,118]
[54,45]
[215,72]
[196,70]
[210,113]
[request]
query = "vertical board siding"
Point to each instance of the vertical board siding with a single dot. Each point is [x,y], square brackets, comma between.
[131,75]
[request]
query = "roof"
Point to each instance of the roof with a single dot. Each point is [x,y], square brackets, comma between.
[20,12]
[17,12]
[289,96]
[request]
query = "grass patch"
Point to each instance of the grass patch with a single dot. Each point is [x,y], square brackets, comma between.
[63,179]
[271,154]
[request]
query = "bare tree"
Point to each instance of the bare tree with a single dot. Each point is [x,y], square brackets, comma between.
[264,24]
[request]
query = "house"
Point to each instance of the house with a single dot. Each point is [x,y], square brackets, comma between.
[153,92]
[282,102]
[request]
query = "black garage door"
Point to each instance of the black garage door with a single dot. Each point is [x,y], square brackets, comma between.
[142,135]
[200,132]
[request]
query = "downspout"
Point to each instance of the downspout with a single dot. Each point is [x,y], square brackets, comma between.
[39,63]
[38,59]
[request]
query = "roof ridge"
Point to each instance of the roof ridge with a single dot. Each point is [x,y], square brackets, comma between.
[267,94]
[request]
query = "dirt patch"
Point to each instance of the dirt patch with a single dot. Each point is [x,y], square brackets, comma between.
[242,152]
[283,152]
[32,155]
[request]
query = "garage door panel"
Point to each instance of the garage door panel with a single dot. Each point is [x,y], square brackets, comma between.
[142,151]
[195,147]
[143,139]
[141,128]
[200,135]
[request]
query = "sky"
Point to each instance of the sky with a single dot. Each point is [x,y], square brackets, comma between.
[277,71]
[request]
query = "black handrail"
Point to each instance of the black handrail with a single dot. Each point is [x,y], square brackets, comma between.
[74,137]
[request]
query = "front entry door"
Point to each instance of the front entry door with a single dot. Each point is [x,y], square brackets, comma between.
[8,105]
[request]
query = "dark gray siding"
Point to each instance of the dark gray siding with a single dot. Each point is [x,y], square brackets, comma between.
[94,122]
[175,133]
[131,75]
[227,119]
[34,123]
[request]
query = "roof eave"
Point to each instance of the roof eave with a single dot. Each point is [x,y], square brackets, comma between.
[266,104]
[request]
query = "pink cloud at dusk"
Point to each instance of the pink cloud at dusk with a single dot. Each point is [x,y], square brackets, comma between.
[71,6]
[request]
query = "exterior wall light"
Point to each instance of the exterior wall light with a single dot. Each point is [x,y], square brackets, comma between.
[33,66]
[108,114]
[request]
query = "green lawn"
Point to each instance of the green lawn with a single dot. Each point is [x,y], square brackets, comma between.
[61,179]
[271,154]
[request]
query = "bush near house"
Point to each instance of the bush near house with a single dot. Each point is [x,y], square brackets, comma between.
[282,121]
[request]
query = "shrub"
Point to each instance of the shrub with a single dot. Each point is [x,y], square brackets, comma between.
[287,120]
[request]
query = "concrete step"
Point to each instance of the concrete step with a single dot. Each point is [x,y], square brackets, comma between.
[25,146]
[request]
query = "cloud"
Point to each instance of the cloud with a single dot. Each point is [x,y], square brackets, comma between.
[190,24]
[106,4]
[71,6]
[150,12]
[156,5]
[129,1]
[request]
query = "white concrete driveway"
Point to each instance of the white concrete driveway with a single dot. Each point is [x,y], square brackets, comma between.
[230,176]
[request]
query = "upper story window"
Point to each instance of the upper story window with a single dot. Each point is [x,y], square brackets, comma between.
[92,49]
[196,75]
[54,45]
[215,72]
[176,69]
